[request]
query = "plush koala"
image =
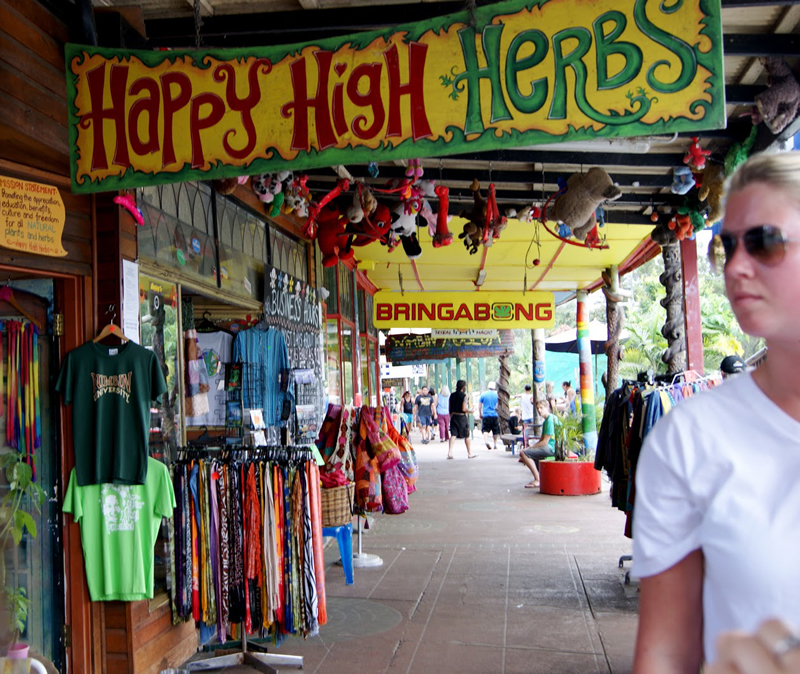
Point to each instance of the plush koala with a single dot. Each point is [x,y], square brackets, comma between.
[472,233]
[585,192]
[780,103]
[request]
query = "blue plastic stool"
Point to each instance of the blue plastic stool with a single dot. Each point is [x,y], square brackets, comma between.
[344,535]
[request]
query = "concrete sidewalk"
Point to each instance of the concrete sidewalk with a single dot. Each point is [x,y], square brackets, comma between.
[481,575]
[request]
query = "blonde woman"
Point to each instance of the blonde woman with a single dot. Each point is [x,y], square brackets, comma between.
[715,537]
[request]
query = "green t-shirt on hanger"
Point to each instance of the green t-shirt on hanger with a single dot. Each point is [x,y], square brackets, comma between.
[110,388]
[119,526]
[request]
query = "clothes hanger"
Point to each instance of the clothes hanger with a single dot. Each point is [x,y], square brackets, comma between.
[206,325]
[111,329]
[7,295]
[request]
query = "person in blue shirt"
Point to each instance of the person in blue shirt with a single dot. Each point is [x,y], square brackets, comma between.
[490,422]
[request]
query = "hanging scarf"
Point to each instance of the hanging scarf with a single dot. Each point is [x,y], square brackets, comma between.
[315,497]
[308,573]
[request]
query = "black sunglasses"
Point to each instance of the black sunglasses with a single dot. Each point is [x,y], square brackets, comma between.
[764,243]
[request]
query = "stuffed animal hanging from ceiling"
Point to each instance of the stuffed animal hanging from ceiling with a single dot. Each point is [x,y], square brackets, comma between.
[585,192]
[442,237]
[695,156]
[779,105]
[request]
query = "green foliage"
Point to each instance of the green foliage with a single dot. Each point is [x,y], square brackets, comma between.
[645,317]
[15,519]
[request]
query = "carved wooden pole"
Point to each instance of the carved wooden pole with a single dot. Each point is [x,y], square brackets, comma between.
[615,320]
[539,373]
[503,393]
[673,330]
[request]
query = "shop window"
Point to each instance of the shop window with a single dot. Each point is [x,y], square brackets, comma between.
[364,363]
[345,292]
[160,332]
[329,276]
[347,362]
[371,330]
[332,354]
[288,254]
[362,319]
[372,369]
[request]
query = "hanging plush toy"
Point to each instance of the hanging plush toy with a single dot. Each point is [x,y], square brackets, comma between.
[310,228]
[682,180]
[424,190]
[129,204]
[780,103]
[442,237]
[585,192]
[695,156]
[472,232]
[332,239]
[404,227]
[711,192]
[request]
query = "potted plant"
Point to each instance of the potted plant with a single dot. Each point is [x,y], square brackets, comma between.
[571,472]
[22,496]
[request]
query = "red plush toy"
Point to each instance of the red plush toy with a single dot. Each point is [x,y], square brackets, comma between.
[332,239]
[443,237]
[682,226]
[696,156]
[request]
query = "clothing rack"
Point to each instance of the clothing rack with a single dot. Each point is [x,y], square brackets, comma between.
[286,456]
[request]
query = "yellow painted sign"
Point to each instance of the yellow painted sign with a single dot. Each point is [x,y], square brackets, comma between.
[483,309]
[512,74]
[32,217]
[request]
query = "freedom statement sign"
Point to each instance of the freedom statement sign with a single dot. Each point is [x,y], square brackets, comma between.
[512,74]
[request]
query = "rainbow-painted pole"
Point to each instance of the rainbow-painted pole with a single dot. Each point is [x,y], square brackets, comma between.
[587,375]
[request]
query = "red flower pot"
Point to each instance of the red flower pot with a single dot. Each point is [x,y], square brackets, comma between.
[568,478]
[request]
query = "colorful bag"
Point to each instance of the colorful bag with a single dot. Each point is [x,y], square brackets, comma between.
[408,458]
[368,483]
[379,444]
[395,492]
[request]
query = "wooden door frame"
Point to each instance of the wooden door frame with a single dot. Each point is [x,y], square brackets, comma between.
[73,298]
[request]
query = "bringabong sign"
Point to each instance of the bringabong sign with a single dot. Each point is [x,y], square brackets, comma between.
[485,309]
[512,74]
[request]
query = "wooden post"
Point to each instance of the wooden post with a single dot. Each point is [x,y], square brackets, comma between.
[587,375]
[673,330]
[691,301]
[539,372]
[615,319]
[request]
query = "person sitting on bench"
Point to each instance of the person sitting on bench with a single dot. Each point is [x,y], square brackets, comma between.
[546,447]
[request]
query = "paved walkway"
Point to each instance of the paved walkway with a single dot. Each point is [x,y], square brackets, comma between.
[481,575]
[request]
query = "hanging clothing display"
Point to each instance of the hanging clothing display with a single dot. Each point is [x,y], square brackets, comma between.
[629,415]
[196,380]
[23,421]
[216,348]
[248,542]
[110,389]
[119,526]
[266,350]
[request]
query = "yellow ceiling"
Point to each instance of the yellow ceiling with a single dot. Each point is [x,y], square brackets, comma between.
[452,268]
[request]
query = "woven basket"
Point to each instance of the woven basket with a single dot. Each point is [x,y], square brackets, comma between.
[337,506]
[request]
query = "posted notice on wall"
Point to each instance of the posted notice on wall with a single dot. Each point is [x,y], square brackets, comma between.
[130,300]
[32,217]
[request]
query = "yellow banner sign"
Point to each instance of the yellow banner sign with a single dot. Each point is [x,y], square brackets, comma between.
[463,310]
[32,217]
[510,74]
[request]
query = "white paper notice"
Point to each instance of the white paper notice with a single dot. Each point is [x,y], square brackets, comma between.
[130,300]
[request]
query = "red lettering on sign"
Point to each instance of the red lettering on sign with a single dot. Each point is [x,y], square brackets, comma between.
[244,106]
[301,103]
[429,312]
[481,312]
[401,311]
[372,98]
[171,106]
[420,128]
[520,310]
[445,312]
[463,312]
[383,312]
[198,123]
[544,312]
[96,82]
[150,105]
